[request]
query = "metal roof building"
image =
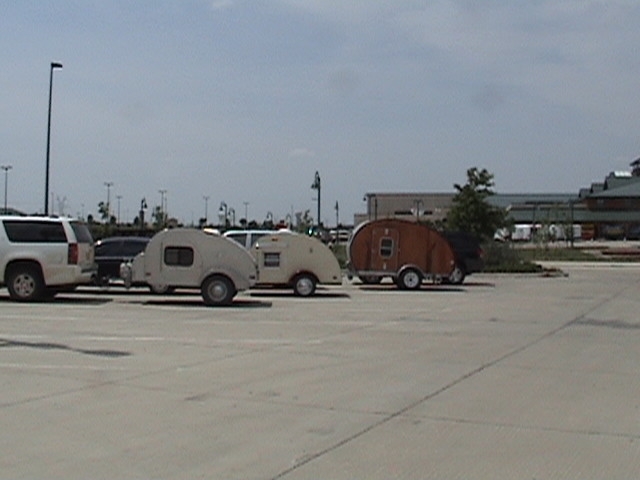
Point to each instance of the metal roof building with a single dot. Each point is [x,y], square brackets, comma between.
[609,209]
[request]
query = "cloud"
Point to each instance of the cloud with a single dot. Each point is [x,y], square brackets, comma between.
[489,98]
[344,81]
[221,4]
[301,153]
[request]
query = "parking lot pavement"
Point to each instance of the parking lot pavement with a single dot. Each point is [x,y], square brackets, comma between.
[506,376]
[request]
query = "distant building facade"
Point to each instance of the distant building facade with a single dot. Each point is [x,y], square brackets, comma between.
[608,209]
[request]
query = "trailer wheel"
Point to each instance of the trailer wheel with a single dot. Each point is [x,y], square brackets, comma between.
[304,285]
[25,283]
[161,289]
[218,290]
[410,279]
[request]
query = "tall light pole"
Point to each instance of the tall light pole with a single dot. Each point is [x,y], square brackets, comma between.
[54,65]
[316,186]
[163,214]
[6,169]
[206,208]
[223,214]
[108,185]
[119,197]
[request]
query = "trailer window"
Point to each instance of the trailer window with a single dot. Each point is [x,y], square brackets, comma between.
[386,247]
[272,259]
[178,256]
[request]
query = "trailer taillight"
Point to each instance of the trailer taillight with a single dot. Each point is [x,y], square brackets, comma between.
[72,257]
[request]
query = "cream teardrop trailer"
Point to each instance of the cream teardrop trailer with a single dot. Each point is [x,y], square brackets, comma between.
[290,259]
[193,259]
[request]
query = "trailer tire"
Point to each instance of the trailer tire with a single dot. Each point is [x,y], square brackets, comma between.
[304,285]
[161,289]
[410,279]
[217,290]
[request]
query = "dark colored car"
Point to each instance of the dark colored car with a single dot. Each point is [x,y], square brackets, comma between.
[113,251]
[469,255]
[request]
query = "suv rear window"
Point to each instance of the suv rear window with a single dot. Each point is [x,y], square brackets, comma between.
[35,231]
[83,234]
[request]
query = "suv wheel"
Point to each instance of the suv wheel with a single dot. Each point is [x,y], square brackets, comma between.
[25,283]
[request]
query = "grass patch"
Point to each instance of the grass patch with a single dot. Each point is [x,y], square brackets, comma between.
[503,258]
[556,254]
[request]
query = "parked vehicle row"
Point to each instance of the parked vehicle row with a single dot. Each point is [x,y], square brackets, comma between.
[221,266]
[40,256]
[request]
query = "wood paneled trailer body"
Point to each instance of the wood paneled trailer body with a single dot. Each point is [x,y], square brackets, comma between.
[407,252]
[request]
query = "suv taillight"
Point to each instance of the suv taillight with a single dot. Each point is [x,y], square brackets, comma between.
[72,258]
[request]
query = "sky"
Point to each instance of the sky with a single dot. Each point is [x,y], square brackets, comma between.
[242,101]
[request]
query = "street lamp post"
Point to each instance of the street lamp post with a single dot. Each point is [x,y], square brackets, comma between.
[223,214]
[119,197]
[163,214]
[206,208]
[108,185]
[54,65]
[143,207]
[316,186]
[6,169]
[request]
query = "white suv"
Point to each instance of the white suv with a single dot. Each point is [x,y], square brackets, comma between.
[248,238]
[40,256]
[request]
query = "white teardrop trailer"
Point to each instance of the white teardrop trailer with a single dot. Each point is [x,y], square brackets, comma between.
[193,259]
[290,259]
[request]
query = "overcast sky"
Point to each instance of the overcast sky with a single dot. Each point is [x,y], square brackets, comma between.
[243,100]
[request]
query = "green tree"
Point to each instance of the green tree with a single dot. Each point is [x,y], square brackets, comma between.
[470,211]
[103,210]
[159,217]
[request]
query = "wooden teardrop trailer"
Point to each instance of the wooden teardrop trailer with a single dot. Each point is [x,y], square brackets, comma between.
[408,252]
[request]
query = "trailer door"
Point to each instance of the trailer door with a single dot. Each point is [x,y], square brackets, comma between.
[384,249]
[272,261]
